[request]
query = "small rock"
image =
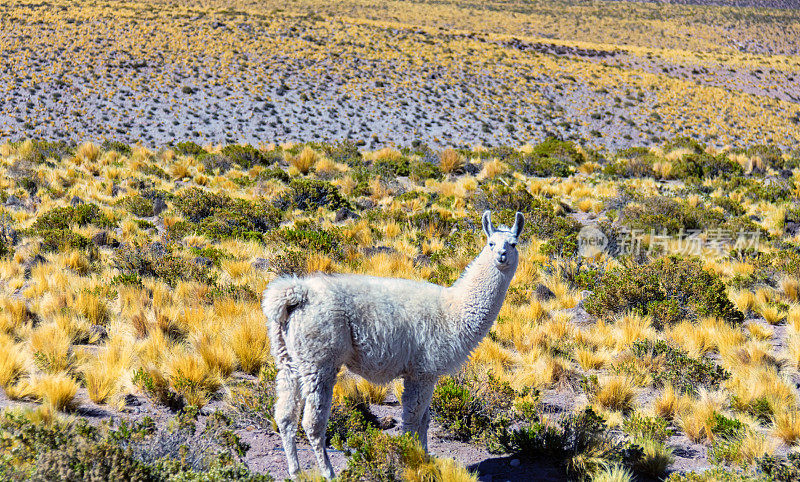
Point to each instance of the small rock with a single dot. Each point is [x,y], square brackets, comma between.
[261,263]
[159,206]
[203,261]
[100,239]
[157,249]
[543,293]
[29,263]
[116,190]
[422,260]
[470,168]
[786,173]
[132,401]
[75,201]
[755,218]
[514,463]
[13,201]
[365,203]
[343,214]
[792,228]
[387,422]
[371,250]
[98,333]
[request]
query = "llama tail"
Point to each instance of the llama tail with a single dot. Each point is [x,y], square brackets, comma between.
[280,299]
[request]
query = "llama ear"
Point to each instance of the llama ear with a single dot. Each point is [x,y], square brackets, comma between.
[487,223]
[519,222]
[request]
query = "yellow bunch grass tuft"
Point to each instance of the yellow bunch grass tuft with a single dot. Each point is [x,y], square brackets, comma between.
[191,377]
[450,161]
[786,424]
[250,343]
[109,371]
[616,393]
[56,389]
[51,348]
[304,161]
[12,361]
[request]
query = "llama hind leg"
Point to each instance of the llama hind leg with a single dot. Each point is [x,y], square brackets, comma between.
[287,413]
[416,408]
[318,393]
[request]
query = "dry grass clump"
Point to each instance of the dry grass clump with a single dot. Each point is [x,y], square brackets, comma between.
[616,393]
[55,389]
[304,161]
[12,361]
[249,341]
[51,347]
[192,378]
[786,424]
[450,161]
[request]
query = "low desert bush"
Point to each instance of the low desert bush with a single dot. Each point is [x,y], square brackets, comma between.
[677,370]
[669,289]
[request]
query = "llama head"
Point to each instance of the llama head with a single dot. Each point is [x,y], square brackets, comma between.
[501,242]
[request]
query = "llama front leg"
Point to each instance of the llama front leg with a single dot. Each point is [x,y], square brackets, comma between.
[318,393]
[416,408]
[287,413]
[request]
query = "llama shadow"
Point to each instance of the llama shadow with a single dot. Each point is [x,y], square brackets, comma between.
[499,469]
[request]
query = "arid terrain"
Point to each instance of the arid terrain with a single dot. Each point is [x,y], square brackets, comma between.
[162,163]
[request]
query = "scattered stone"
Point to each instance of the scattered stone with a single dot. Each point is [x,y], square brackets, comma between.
[75,201]
[261,264]
[343,214]
[792,228]
[98,333]
[100,239]
[203,261]
[543,293]
[29,263]
[422,260]
[365,204]
[159,205]
[132,401]
[387,422]
[372,250]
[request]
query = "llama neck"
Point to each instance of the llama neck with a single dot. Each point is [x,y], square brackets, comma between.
[477,296]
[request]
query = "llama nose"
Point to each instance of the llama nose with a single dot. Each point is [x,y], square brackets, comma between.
[503,257]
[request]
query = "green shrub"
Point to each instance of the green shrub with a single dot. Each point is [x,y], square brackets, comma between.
[219,216]
[702,165]
[189,148]
[253,402]
[158,262]
[670,289]
[311,239]
[641,426]
[68,216]
[582,444]
[551,157]
[310,194]
[137,205]
[376,456]
[685,373]
[248,156]
[44,150]
[471,407]
[718,474]
[781,469]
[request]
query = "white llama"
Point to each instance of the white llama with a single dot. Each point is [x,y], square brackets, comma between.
[381,329]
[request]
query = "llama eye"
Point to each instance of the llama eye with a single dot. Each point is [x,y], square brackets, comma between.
[513,245]
[491,244]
